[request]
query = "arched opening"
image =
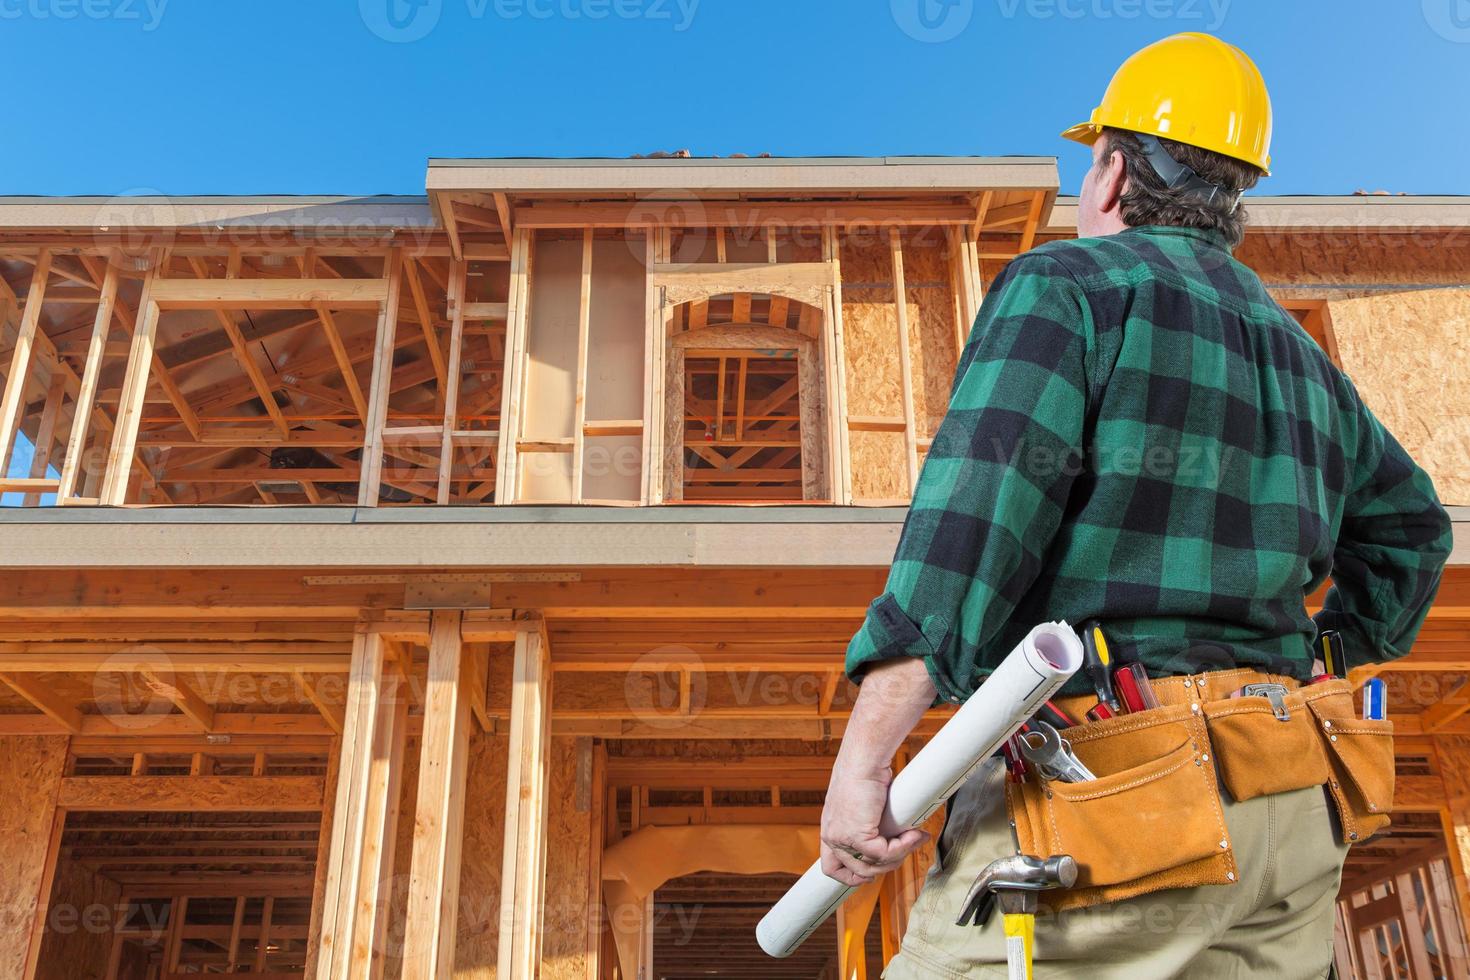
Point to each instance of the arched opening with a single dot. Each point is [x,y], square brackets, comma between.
[745,401]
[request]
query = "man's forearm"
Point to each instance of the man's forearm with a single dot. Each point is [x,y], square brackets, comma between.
[894,696]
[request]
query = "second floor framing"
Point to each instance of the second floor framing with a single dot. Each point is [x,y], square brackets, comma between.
[557,332]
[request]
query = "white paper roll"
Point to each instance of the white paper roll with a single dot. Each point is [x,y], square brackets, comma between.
[1032,673]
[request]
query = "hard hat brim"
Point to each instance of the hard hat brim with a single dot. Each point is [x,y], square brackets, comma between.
[1085,133]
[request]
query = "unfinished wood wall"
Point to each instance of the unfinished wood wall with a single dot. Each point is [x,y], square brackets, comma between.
[874,382]
[1409,355]
[1399,308]
[874,360]
[479,891]
[551,369]
[78,937]
[30,776]
[568,915]
[616,374]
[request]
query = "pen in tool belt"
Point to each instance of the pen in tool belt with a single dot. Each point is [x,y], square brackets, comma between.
[1375,700]
[1134,687]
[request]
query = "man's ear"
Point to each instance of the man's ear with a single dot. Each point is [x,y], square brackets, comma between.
[1112,181]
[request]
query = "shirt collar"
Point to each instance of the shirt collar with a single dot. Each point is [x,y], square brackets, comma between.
[1206,235]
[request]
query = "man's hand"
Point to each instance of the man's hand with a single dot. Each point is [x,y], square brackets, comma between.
[890,703]
[854,849]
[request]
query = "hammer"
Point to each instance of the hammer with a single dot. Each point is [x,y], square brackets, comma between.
[1013,882]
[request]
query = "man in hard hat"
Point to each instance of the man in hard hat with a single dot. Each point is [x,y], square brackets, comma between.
[1139,434]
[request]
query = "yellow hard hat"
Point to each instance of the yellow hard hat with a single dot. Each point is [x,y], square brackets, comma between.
[1193,89]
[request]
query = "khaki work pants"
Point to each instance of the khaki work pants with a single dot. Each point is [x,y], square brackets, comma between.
[1276,921]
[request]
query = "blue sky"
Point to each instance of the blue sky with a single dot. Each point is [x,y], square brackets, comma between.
[341,96]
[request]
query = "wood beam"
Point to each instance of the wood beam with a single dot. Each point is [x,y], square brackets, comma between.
[1452,754]
[523,869]
[433,888]
[360,857]
[117,470]
[1454,704]
[458,272]
[12,401]
[579,407]
[76,444]
[270,294]
[45,436]
[368,485]
[243,356]
[426,320]
[513,376]
[195,708]
[46,701]
[905,361]
[165,794]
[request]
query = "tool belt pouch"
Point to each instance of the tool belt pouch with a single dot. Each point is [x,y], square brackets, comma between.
[1259,752]
[1152,819]
[1360,756]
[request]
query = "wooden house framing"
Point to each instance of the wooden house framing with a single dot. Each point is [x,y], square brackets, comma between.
[457,586]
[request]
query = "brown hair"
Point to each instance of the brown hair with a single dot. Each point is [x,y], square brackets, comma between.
[1148,201]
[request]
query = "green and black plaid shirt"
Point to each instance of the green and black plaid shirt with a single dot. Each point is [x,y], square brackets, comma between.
[1139,433]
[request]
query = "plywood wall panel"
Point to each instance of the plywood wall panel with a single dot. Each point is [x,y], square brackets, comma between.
[878,468]
[1349,256]
[1409,355]
[931,327]
[78,937]
[479,876]
[30,774]
[874,383]
[568,915]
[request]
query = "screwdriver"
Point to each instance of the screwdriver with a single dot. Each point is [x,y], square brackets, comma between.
[1097,664]
[1332,656]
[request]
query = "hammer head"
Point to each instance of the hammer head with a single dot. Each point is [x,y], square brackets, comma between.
[1015,880]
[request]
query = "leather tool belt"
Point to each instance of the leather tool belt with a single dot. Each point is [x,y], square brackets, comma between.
[1153,818]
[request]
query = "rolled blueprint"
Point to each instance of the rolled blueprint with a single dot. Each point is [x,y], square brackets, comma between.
[1031,674]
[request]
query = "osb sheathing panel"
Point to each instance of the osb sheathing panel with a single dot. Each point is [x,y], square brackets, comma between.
[30,775]
[1347,257]
[931,327]
[568,911]
[874,384]
[1409,355]
[78,937]
[479,876]
[568,859]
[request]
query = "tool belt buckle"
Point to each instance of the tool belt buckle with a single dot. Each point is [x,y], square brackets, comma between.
[1275,693]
